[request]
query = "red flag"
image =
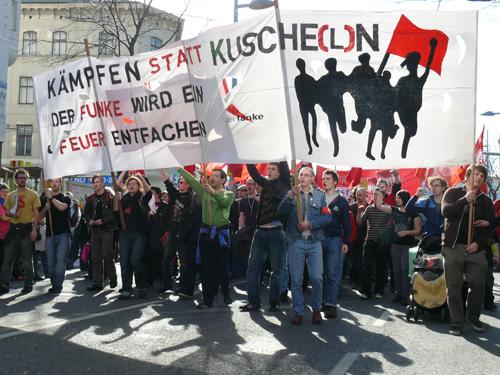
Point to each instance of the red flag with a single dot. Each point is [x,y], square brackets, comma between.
[190,168]
[235,170]
[478,149]
[136,171]
[354,177]
[408,38]
[421,173]
[319,176]
[209,167]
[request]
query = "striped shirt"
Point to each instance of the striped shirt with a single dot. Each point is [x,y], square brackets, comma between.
[377,222]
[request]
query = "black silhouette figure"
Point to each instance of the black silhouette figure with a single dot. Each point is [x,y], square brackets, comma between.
[381,113]
[361,84]
[332,87]
[306,89]
[409,94]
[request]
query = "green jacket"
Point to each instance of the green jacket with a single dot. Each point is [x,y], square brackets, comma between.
[215,207]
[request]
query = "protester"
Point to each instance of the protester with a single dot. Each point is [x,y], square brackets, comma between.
[22,207]
[382,184]
[466,259]
[356,250]
[133,235]
[406,227]
[154,245]
[430,206]
[335,244]
[57,234]
[246,228]
[376,246]
[184,226]
[214,236]
[100,218]
[268,239]
[4,220]
[304,238]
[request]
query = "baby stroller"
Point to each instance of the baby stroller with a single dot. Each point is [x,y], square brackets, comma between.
[427,286]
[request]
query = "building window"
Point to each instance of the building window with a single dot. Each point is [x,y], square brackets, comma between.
[23,140]
[106,44]
[29,43]
[155,43]
[59,43]
[25,90]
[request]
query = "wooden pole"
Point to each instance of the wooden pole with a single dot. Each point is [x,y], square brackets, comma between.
[289,114]
[470,229]
[298,198]
[113,177]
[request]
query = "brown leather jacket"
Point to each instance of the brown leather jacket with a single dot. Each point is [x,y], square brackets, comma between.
[453,208]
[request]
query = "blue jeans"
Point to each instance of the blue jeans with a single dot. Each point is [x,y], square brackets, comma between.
[284,269]
[332,275]
[56,250]
[301,250]
[270,243]
[131,252]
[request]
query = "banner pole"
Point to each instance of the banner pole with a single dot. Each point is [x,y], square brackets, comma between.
[470,181]
[298,199]
[113,177]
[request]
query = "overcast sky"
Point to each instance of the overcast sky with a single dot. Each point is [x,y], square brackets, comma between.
[201,15]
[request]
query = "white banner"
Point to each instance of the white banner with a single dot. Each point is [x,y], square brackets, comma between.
[221,97]
[351,102]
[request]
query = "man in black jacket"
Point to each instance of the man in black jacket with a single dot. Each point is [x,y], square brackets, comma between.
[269,237]
[464,256]
[100,217]
[184,226]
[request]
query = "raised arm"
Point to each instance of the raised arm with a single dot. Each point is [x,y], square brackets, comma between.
[284,170]
[195,185]
[256,176]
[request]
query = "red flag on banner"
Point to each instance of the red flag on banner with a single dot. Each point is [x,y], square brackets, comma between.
[408,38]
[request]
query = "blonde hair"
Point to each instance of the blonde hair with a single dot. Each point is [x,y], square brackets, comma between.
[137,179]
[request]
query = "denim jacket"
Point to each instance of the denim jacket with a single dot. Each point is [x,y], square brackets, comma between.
[318,214]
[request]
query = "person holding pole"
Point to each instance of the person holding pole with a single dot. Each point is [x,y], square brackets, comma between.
[213,242]
[269,239]
[100,217]
[22,206]
[133,236]
[464,242]
[58,235]
[304,234]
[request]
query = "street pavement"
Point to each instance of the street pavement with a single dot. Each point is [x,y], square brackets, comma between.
[77,332]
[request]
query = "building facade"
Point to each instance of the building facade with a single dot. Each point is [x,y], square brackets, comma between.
[52,33]
[9,40]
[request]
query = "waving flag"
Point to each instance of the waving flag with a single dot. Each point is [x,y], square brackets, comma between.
[409,38]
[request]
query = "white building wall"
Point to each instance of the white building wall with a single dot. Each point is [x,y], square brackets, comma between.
[44,19]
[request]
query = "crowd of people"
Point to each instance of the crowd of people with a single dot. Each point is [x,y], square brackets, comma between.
[272,230]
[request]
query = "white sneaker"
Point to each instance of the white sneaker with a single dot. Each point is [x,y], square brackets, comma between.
[378,296]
